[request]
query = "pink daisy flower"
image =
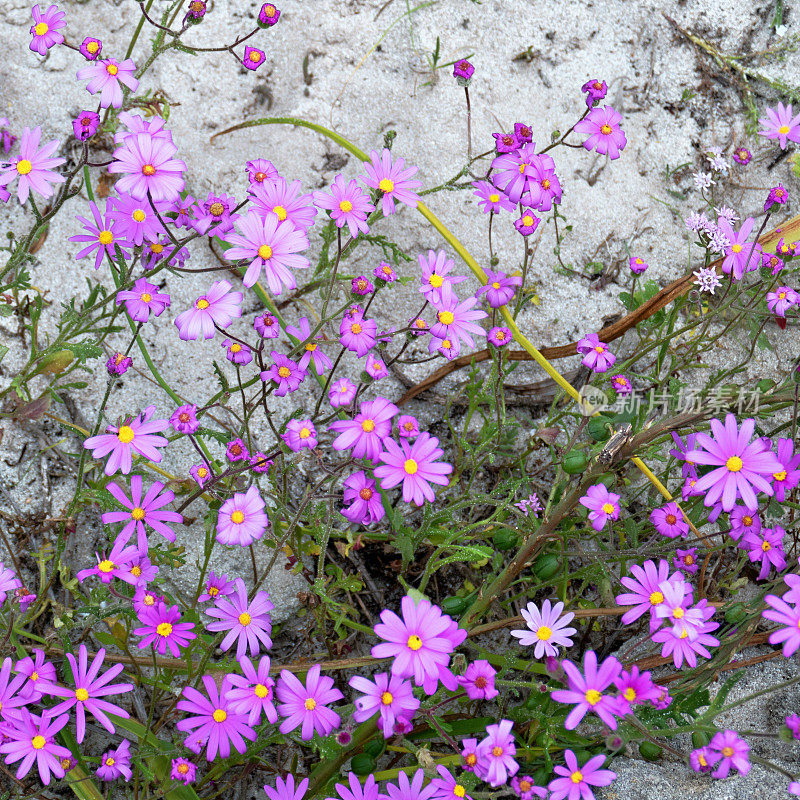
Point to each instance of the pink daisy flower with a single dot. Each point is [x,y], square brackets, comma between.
[283,201]
[604,135]
[90,48]
[478,680]
[135,218]
[742,467]
[237,352]
[45,29]
[105,77]
[547,629]
[387,695]
[596,355]
[90,688]
[512,171]
[497,751]
[267,326]
[32,740]
[356,333]
[218,306]
[456,321]
[415,465]
[587,690]
[341,393]
[260,170]
[542,189]
[576,781]
[526,789]
[781,125]
[184,419]
[595,90]
[490,198]
[734,752]
[103,237]
[147,510]
[788,477]
[215,216]
[285,789]
[740,255]
[392,180]
[686,560]
[253,693]
[669,521]
[300,435]
[602,504]
[437,285]
[527,223]
[183,770]
[407,426]
[677,642]
[142,299]
[137,435]
[788,616]
[246,622]
[253,57]
[364,434]
[635,687]
[148,168]
[37,670]
[348,205]
[241,519]
[305,707]
[286,374]
[215,586]
[499,336]
[366,505]
[637,265]
[385,273]
[644,593]
[162,628]
[269,244]
[781,300]
[447,787]
[33,166]
[213,722]
[311,351]
[375,367]
[499,288]
[115,564]
[767,549]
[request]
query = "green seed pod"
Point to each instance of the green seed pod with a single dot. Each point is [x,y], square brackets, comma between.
[453,606]
[598,428]
[505,539]
[375,747]
[363,764]
[56,362]
[650,751]
[735,614]
[574,462]
[546,566]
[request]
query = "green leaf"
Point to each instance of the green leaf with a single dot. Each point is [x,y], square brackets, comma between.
[85,350]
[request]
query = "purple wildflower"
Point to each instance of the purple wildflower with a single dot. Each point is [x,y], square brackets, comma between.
[547,629]
[388,695]
[253,694]
[147,510]
[348,203]
[148,167]
[415,465]
[285,373]
[587,690]
[105,77]
[218,306]
[33,166]
[499,288]
[604,135]
[576,781]
[246,622]
[241,519]
[306,706]
[392,180]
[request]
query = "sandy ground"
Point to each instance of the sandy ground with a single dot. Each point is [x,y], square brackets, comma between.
[367,71]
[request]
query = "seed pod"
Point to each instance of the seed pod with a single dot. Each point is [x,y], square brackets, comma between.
[546,566]
[575,462]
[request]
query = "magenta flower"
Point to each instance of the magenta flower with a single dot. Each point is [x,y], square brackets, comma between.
[596,355]
[388,695]
[542,189]
[740,255]
[407,426]
[789,617]
[136,220]
[635,687]
[686,560]
[163,629]
[506,142]
[356,333]
[547,629]
[90,48]
[45,29]
[463,71]
[497,751]
[406,789]
[214,217]
[777,196]
[267,17]
[103,237]
[478,680]
[781,300]
[13,694]
[415,465]
[306,706]
[703,760]
[241,519]
[365,501]
[31,739]
[267,326]
[781,125]
[148,168]
[201,473]
[260,170]
[447,787]
[742,467]
[236,450]
[602,504]
[513,170]
[499,336]
[456,321]
[420,642]
[375,367]
[143,511]
[527,223]
[669,521]
[85,125]
[136,436]
[681,646]
[361,286]
[184,419]
[604,135]
[214,722]
[219,306]
[437,285]
[586,690]
[216,586]
[595,90]
[392,180]
[90,688]
[311,351]
[142,299]
[637,265]
[116,763]
[36,669]
[576,781]
[269,244]
[645,593]
[237,352]
[364,434]
[183,770]
[253,57]
[105,77]
[490,198]
[116,564]
[247,623]
[348,205]
[766,548]
[499,288]
[342,393]
[285,373]
[33,166]
[283,201]
[733,751]
[622,386]
[253,694]
[525,788]
[788,477]
[300,434]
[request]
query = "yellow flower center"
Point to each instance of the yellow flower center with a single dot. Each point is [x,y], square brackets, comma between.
[766,547]
[34,676]
[345,206]
[216,209]
[365,493]
[446,317]
[593,697]
[311,347]
[386,185]
[284,372]
[459,790]
[269,10]
[261,691]
[472,760]
[219,715]
[495,285]
[355,328]
[497,751]
[410,466]
[105,237]
[183,768]
[235,348]
[310,704]
[576,776]
[784,129]
[782,295]
[748,521]
[265,251]
[112,69]
[414,642]
[629,694]
[522,167]
[109,762]
[446,344]
[149,600]
[92,47]
[81,695]
[436,280]
[387,699]
[280,213]
[494,198]
[608,508]
[157,248]
[527,220]
[656,599]
[688,560]
[779,476]
[164,629]
[41,29]
[125,434]
[24,166]
[237,517]
[245,619]
[139,215]
[701,759]
[136,571]
[305,433]
[605,129]
[727,752]
[149,170]
[671,519]
[106,566]
[368,426]
[734,463]
[544,633]
[737,248]
[678,613]
[38,742]
[202,472]
[145,297]
[524,785]
[138,513]
[546,183]
[255,56]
